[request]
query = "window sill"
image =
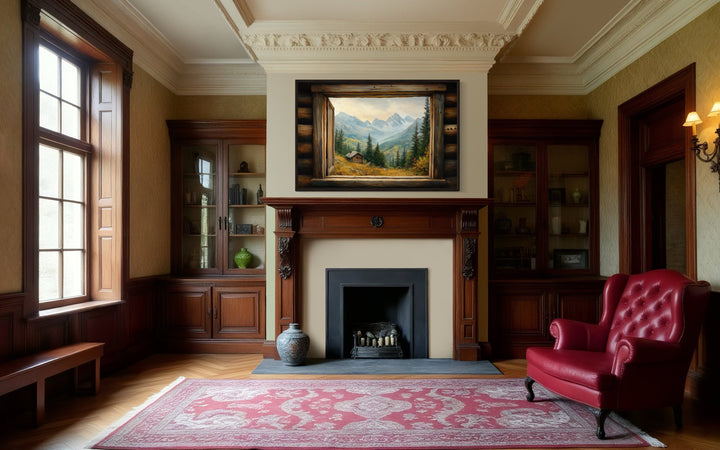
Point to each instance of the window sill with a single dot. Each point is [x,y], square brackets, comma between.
[80,307]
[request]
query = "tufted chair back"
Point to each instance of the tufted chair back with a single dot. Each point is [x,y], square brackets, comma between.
[650,307]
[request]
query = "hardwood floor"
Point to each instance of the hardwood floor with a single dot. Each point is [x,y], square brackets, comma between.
[73,421]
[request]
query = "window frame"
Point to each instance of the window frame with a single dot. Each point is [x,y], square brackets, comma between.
[65,143]
[64,28]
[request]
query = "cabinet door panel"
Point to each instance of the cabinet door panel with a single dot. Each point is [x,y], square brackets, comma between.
[187,311]
[584,307]
[524,314]
[239,313]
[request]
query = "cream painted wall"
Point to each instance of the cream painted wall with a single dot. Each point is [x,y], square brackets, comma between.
[150,104]
[281,157]
[434,254]
[10,147]
[697,42]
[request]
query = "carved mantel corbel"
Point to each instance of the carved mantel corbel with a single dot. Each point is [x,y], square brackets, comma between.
[285,282]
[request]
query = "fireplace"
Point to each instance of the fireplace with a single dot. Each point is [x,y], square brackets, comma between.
[357,298]
[302,219]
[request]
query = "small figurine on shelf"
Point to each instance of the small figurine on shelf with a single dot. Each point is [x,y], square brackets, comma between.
[259,195]
[244,167]
[577,196]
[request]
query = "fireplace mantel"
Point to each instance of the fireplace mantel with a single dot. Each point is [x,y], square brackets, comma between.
[393,218]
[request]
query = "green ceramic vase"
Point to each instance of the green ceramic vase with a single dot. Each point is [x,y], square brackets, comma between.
[243,258]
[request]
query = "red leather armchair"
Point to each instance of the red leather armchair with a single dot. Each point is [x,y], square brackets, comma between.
[637,357]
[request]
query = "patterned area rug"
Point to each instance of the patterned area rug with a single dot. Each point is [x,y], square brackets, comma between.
[362,414]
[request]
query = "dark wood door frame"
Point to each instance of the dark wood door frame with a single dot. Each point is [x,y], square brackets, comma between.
[631,172]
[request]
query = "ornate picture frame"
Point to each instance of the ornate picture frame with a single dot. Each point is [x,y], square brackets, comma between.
[377,135]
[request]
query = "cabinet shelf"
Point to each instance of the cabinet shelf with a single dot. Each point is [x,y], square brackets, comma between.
[568,205]
[516,204]
[515,173]
[568,174]
[246,206]
[248,235]
[248,174]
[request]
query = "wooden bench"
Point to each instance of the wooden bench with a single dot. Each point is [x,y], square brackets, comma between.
[35,368]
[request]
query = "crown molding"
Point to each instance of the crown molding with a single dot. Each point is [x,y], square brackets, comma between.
[245,12]
[222,79]
[637,29]
[151,51]
[535,79]
[651,23]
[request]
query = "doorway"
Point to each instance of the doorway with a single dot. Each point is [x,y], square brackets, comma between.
[657,178]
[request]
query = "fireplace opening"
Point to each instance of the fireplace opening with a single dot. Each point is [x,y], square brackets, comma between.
[385,307]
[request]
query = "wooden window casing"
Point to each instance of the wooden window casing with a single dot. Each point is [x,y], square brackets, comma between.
[61,24]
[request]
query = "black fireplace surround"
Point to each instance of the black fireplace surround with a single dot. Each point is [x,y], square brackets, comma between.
[356,296]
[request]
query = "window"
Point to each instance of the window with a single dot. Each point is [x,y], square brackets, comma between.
[76,95]
[62,175]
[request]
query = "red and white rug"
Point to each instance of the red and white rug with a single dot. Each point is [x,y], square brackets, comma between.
[362,414]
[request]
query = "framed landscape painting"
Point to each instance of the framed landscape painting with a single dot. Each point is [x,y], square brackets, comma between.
[378,135]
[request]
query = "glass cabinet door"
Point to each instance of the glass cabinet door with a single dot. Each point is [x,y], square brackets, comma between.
[245,211]
[200,214]
[568,210]
[514,214]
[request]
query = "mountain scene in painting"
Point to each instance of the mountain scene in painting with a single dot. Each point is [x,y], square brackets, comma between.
[387,136]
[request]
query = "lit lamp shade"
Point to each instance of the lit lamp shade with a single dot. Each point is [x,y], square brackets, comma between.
[715,111]
[693,119]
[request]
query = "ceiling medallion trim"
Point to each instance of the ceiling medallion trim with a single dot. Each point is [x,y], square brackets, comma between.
[373,41]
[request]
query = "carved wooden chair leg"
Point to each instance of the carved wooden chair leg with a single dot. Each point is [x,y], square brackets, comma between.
[528,385]
[600,416]
[677,414]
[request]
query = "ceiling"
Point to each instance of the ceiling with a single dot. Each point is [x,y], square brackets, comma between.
[207,47]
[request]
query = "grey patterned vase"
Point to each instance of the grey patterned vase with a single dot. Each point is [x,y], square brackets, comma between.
[292,345]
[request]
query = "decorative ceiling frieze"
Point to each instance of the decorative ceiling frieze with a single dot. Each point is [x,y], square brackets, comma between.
[372,41]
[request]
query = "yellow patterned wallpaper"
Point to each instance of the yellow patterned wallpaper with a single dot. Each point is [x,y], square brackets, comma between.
[150,104]
[697,42]
[209,107]
[537,107]
[10,145]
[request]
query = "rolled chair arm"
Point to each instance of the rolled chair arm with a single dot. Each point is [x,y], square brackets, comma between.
[634,350]
[575,335]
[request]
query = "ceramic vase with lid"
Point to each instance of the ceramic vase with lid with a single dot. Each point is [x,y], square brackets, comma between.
[292,345]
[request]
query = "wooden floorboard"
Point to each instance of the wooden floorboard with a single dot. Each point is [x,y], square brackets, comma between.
[71,422]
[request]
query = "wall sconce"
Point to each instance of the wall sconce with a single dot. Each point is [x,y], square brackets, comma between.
[701,148]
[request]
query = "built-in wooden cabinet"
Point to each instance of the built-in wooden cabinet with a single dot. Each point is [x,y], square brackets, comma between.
[218,174]
[212,303]
[213,314]
[543,226]
[521,311]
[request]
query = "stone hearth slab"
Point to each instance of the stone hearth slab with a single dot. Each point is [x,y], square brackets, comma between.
[434,366]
